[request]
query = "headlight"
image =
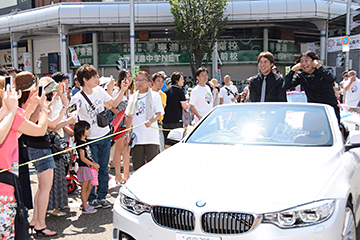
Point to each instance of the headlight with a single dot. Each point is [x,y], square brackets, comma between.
[301,216]
[131,203]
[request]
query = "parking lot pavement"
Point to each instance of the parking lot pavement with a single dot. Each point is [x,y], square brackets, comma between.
[75,225]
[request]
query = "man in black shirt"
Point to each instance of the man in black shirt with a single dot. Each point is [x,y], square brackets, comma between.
[175,103]
[266,86]
[316,80]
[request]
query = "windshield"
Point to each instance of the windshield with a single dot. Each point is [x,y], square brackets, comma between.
[265,124]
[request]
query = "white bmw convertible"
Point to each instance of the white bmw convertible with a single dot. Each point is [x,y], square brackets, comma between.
[248,171]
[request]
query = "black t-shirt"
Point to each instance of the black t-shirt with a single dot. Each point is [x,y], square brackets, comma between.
[88,154]
[173,108]
[42,142]
[318,85]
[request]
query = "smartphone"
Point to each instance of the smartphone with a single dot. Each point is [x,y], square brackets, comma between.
[64,88]
[72,108]
[40,90]
[8,81]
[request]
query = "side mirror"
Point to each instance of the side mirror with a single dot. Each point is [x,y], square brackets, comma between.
[353,140]
[176,135]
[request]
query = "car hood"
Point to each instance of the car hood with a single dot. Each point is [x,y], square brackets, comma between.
[228,177]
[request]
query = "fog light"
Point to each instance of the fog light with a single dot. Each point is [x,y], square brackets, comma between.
[125,236]
[115,233]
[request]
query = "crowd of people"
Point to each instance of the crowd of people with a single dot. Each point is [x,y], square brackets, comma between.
[143,110]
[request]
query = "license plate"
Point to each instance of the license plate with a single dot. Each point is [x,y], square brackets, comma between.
[181,236]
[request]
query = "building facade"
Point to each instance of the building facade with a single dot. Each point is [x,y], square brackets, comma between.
[98,32]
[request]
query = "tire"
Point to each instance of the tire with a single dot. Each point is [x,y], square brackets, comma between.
[349,227]
[71,186]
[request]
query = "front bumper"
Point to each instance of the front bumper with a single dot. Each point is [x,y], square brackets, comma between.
[142,227]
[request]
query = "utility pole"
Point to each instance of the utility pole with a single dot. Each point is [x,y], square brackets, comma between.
[215,62]
[347,59]
[132,36]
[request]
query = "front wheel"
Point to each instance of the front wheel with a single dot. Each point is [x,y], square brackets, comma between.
[349,228]
[71,185]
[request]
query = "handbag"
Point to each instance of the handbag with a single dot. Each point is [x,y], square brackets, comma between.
[95,180]
[116,122]
[133,140]
[21,217]
[58,144]
[102,118]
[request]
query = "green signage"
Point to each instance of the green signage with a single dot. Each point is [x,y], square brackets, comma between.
[84,54]
[147,54]
[283,51]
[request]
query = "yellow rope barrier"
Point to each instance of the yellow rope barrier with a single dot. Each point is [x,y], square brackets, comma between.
[68,150]
[163,129]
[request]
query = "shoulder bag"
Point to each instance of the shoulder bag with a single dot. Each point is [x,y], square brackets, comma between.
[103,118]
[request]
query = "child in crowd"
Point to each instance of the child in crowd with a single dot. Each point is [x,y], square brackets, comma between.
[85,160]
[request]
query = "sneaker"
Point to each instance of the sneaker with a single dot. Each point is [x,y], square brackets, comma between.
[95,203]
[105,203]
[89,211]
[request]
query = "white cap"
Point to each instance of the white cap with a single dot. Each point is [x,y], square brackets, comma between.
[104,80]
[163,73]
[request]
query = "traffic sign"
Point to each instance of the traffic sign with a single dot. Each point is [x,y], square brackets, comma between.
[345,40]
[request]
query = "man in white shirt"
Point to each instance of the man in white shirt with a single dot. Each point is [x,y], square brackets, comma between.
[228,93]
[144,107]
[201,100]
[352,89]
[100,150]
[342,85]
[157,80]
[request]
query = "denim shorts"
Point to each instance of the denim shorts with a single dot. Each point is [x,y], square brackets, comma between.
[44,164]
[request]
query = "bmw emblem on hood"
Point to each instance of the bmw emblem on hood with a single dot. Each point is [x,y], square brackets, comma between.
[200,203]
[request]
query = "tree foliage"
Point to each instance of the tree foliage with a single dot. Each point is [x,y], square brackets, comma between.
[198,23]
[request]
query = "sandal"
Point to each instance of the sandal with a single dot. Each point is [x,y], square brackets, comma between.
[43,233]
[58,214]
[31,228]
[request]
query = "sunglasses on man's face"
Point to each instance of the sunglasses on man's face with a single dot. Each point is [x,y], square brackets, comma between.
[346,75]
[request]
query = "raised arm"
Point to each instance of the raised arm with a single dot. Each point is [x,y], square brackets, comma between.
[326,73]
[116,101]
[9,108]
[29,128]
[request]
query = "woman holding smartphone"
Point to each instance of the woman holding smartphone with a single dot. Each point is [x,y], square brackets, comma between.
[121,148]
[13,123]
[40,147]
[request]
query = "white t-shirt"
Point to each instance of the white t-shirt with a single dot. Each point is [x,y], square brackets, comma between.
[226,95]
[56,108]
[86,113]
[116,92]
[353,94]
[146,135]
[201,99]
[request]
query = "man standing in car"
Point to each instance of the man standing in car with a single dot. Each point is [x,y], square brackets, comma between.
[267,86]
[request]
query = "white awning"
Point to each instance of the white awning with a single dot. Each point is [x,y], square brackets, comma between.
[118,14]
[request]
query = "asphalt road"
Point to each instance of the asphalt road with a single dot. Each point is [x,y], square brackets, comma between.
[75,225]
